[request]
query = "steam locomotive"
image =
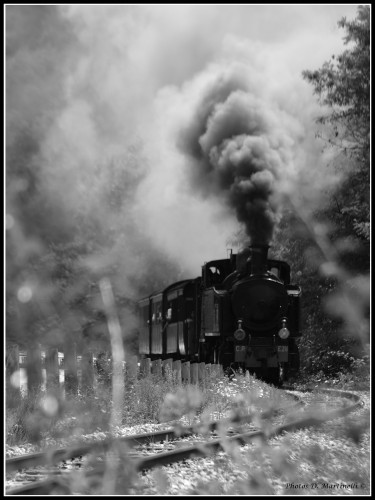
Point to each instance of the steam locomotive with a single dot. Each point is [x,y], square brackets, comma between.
[242,312]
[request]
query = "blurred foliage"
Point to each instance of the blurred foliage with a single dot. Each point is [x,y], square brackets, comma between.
[31,417]
[274,464]
[330,252]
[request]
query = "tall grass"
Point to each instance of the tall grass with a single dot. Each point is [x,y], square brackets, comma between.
[259,469]
[41,416]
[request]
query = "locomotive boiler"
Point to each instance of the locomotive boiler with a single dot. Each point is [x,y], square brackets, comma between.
[242,312]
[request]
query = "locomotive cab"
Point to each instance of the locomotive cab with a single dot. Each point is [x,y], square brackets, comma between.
[215,272]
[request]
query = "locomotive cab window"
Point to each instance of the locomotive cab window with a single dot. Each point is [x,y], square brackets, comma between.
[214,270]
[213,275]
[275,271]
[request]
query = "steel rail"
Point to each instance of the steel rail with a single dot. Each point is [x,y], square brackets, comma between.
[212,446]
[54,456]
[159,459]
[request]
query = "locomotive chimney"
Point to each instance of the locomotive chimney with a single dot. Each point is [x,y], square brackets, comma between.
[258,264]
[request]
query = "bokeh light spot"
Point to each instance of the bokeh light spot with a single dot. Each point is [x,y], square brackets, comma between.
[15,379]
[9,221]
[24,294]
[50,405]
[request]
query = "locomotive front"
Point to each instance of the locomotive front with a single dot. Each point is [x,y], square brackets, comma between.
[265,308]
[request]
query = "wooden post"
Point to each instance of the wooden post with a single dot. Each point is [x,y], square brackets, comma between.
[167,367]
[70,369]
[145,367]
[176,366]
[156,367]
[194,373]
[103,368]
[87,372]
[12,365]
[132,367]
[219,371]
[52,369]
[207,371]
[185,372]
[34,369]
[201,372]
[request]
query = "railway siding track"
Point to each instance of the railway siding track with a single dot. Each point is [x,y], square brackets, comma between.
[245,438]
[58,483]
[54,456]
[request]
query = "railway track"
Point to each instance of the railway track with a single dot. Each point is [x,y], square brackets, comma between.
[59,483]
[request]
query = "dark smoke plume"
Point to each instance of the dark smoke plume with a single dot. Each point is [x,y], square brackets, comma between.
[239,149]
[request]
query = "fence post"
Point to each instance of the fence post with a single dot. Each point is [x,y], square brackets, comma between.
[219,371]
[201,373]
[156,367]
[207,373]
[132,367]
[87,371]
[12,365]
[34,369]
[185,372]
[167,367]
[176,366]
[70,369]
[52,369]
[103,368]
[194,373]
[145,367]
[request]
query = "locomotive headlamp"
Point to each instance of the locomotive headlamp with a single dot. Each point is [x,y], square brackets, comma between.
[284,332]
[239,334]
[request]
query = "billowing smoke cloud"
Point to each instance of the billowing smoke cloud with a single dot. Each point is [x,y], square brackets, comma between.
[239,149]
[144,121]
[240,143]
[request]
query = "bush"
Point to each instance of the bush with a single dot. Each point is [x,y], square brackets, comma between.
[29,417]
[144,398]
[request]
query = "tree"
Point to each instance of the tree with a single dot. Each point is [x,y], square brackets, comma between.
[343,87]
